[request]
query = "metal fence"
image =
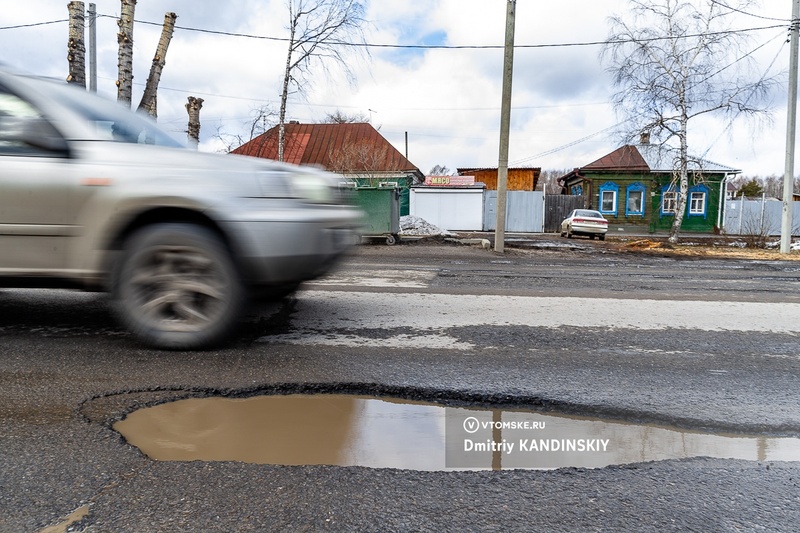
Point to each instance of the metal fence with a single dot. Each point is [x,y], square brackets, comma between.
[758,217]
[524,211]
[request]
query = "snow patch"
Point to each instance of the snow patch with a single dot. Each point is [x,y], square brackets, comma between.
[414,225]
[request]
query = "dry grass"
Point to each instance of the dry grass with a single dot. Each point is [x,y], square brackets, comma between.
[715,248]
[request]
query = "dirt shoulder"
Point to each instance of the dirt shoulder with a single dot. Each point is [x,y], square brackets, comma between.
[712,247]
[690,246]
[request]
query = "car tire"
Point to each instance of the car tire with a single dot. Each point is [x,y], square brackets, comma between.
[603,237]
[569,233]
[176,287]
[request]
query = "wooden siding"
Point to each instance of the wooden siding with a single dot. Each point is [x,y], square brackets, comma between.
[519,179]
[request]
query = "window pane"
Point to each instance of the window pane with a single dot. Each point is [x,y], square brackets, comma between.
[635,201]
[697,203]
[669,202]
[608,201]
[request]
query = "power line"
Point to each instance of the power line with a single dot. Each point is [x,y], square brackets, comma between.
[33,24]
[726,6]
[445,46]
[565,146]
[418,46]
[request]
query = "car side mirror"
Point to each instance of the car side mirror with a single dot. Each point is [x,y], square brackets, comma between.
[39,133]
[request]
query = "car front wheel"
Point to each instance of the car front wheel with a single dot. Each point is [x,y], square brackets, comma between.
[176,287]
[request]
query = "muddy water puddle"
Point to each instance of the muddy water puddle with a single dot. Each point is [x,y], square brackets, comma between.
[348,430]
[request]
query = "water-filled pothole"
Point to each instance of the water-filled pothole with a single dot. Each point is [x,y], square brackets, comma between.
[348,430]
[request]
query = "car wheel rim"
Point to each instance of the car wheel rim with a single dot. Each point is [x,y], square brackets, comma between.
[177,288]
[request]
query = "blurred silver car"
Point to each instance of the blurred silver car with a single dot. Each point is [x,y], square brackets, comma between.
[96,197]
[584,222]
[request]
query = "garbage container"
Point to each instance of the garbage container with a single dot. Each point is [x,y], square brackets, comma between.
[381,206]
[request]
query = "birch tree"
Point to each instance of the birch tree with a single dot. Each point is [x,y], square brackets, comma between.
[76,48]
[149,102]
[674,61]
[125,54]
[319,31]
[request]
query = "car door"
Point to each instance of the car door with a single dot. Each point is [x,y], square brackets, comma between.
[34,174]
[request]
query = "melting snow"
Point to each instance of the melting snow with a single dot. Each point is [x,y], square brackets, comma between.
[414,225]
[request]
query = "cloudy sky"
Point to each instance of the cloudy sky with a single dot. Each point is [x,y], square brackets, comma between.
[445,101]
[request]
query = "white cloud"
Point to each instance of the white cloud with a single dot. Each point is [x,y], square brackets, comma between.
[447,101]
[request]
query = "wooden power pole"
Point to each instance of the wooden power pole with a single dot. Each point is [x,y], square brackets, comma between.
[505,124]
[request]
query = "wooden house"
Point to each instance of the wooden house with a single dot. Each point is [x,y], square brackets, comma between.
[519,179]
[356,151]
[635,188]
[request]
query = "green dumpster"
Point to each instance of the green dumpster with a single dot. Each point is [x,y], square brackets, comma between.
[381,206]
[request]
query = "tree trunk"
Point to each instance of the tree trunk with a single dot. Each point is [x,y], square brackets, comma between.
[193,108]
[149,101]
[125,55]
[683,172]
[287,75]
[76,49]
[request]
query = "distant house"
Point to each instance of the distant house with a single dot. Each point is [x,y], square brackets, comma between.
[635,188]
[519,179]
[357,151]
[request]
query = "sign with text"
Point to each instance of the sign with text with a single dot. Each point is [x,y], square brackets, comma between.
[450,181]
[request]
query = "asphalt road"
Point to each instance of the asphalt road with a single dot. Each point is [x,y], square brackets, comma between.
[710,345]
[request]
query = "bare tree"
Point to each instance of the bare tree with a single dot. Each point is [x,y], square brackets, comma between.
[365,160]
[318,32]
[261,119]
[338,117]
[149,100]
[440,170]
[677,60]
[549,180]
[125,54]
[76,49]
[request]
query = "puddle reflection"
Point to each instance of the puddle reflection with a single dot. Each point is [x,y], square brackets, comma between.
[349,430]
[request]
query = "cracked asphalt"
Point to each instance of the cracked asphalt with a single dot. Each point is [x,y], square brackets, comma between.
[68,372]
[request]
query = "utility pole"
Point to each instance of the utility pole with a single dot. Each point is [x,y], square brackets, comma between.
[505,123]
[92,48]
[791,127]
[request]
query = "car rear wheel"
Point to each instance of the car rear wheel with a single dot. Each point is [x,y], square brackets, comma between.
[176,287]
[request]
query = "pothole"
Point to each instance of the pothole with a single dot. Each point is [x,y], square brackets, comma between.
[379,432]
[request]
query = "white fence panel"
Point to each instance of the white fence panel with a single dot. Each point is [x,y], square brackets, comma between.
[449,208]
[524,211]
[758,217]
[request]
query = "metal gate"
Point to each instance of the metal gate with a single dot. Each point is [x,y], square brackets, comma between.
[556,209]
[524,211]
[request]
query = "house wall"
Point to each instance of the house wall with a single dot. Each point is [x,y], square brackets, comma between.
[519,179]
[652,220]
[450,208]
[691,223]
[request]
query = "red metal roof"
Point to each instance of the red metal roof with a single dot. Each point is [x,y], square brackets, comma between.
[625,158]
[314,144]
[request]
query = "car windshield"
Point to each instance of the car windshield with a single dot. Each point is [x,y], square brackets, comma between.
[109,120]
[588,214]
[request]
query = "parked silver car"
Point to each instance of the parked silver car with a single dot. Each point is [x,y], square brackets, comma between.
[96,197]
[584,222]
